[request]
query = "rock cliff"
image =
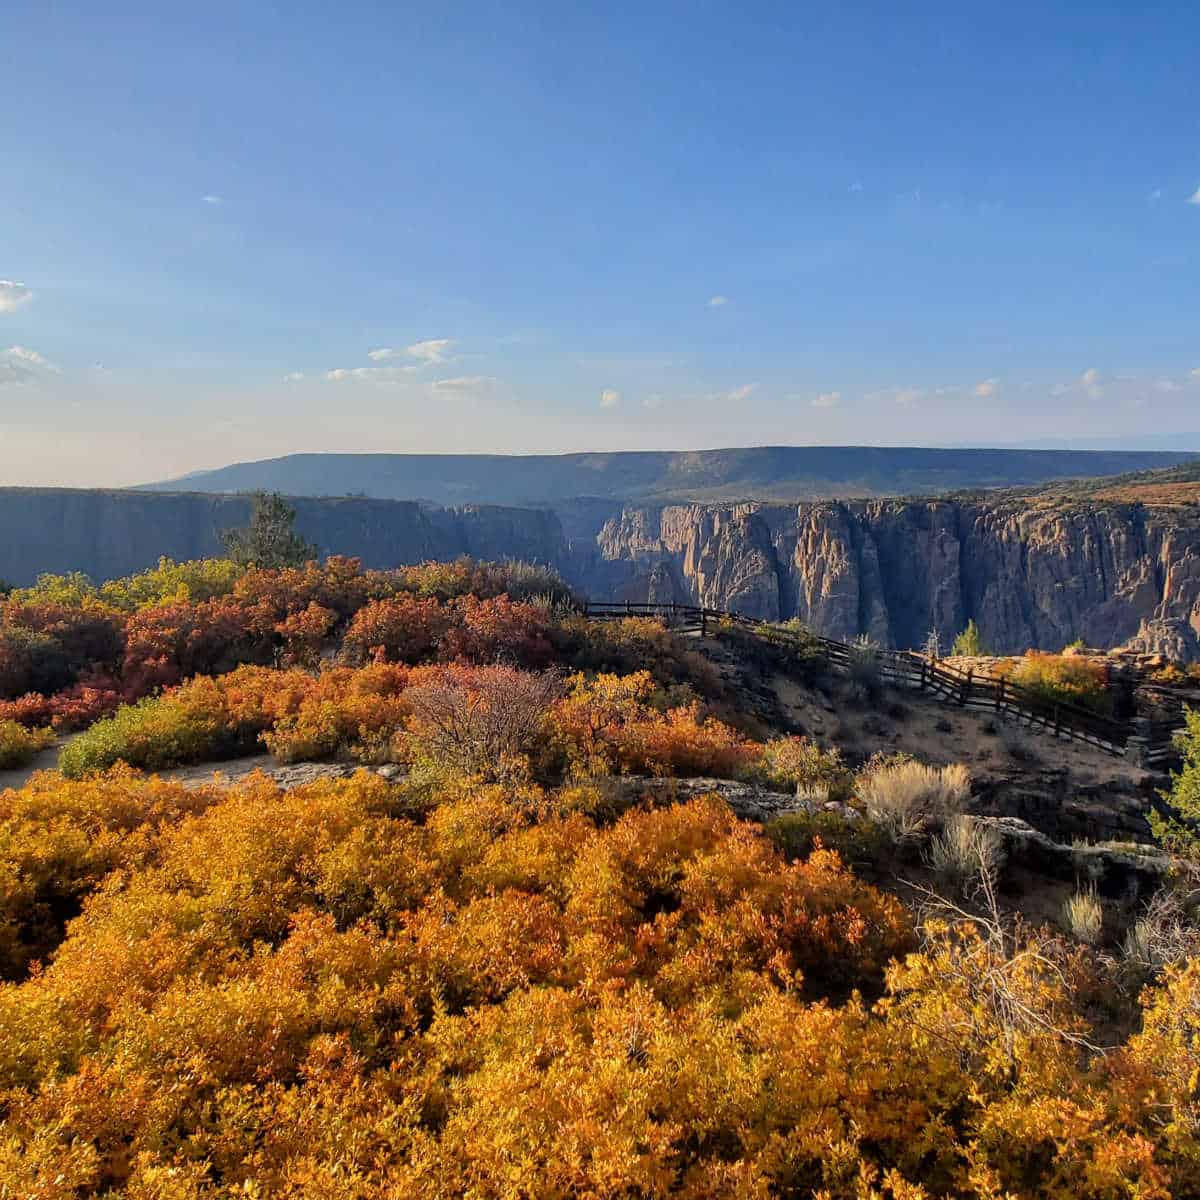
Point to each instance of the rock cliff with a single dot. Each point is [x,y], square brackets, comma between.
[1031,576]
[111,533]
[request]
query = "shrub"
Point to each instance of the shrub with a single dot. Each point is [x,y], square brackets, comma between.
[795,763]
[18,745]
[173,583]
[402,628]
[967,855]
[797,834]
[1166,934]
[1066,678]
[608,724]
[1083,917]
[904,797]
[497,630]
[864,668]
[479,721]
[31,661]
[156,732]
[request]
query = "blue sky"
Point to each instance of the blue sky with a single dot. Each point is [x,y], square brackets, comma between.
[230,231]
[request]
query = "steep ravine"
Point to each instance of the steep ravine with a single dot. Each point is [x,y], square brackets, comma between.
[1030,575]
[895,570]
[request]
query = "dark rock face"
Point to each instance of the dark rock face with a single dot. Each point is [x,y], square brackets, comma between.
[1030,576]
[111,533]
[894,570]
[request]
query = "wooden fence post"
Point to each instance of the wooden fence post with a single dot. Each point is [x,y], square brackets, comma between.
[966,683]
[704,622]
[1000,694]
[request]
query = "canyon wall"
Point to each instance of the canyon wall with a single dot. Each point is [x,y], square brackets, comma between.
[895,570]
[111,533]
[1030,576]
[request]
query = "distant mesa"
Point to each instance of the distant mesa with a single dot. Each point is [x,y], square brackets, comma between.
[767,473]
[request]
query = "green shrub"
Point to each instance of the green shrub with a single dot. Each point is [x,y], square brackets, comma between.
[160,731]
[795,835]
[795,763]
[18,745]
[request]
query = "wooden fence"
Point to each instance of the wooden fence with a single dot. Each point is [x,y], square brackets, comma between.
[950,685]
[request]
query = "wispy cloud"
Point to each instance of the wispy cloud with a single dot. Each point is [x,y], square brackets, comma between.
[214,201]
[654,400]
[856,186]
[428,353]
[435,350]
[908,397]
[19,364]
[1166,386]
[1155,195]
[463,383]
[13,295]
[610,398]
[293,377]
[367,374]
[827,400]
[987,388]
[1194,198]
[741,393]
[718,301]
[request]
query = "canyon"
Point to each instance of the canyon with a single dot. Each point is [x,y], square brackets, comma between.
[1031,574]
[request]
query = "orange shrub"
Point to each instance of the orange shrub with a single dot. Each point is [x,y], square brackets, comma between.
[400,628]
[607,724]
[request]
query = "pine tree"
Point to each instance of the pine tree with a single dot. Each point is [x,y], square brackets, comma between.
[270,540]
[969,642]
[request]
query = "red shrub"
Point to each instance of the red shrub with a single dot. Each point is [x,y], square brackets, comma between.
[404,628]
[497,630]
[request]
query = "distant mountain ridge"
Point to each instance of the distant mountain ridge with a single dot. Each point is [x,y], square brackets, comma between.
[763,473]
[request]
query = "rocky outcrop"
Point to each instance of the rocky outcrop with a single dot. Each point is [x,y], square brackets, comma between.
[1029,575]
[895,570]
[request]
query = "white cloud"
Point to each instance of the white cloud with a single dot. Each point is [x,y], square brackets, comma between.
[18,364]
[1195,372]
[654,400]
[718,301]
[1166,386]
[610,398]
[987,388]
[1194,198]
[13,295]
[908,397]
[367,374]
[214,200]
[741,393]
[1090,377]
[293,377]
[463,383]
[827,400]
[432,351]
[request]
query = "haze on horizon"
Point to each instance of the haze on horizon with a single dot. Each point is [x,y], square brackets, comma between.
[237,232]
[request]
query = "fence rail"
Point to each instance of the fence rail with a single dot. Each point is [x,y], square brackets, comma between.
[948,684]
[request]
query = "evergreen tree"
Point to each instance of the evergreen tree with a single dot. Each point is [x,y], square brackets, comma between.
[969,642]
[270,540]
[1183,797]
